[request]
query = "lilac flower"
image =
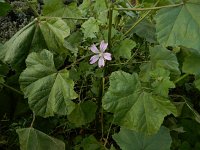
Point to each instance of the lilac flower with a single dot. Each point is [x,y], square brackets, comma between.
[100,54]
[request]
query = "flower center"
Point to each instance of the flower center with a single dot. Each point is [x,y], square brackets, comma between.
[100,54]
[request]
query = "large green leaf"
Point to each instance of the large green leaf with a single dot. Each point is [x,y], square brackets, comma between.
[160,57]
[40,34]
[57,8]
[130,140]
[49,91]
[134,107]
[123,48]
[16,49]
[83,113]
[179,25]
[32,139]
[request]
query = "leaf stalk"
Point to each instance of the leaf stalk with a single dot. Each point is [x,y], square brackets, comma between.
[13,89]
[181,78]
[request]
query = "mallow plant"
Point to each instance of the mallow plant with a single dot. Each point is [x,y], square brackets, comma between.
[103,74]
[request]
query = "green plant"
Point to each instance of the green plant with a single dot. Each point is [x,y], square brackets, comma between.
[138,99]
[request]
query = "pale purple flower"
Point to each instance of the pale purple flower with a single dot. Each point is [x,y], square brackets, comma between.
[100,54]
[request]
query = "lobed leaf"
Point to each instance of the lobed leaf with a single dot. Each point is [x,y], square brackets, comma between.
[48,91]
[133,107]
[179,25]
[40,34]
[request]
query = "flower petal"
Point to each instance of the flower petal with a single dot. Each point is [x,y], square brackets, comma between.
[107,56]
[101,62]
[94,59]
[94,49]
[103,46]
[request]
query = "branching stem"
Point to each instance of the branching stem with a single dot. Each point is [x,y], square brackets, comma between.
[139,20]
[145,9]
[74,18]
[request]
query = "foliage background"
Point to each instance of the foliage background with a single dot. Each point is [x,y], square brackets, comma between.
[147,97]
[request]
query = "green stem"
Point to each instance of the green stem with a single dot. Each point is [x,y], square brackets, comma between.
[145,9]
[110,25]
[78,60]
[99,106]
[106,140]
[65,18]
[181,78]
[102,128]
[189,106]
[33,120]
[11,88]
[139,20]
[74,18]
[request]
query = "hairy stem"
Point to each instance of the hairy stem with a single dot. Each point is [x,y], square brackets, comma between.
[139,20]
[74,18]
[145,9]
[181,78]
[77,61]
[33,120]
[110,25]
[13,89]
[102,128]
[106,140]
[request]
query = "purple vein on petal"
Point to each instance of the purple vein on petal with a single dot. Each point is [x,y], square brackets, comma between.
[101,62]
[94,49]
[107,56]
[94,59]
[103,46]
